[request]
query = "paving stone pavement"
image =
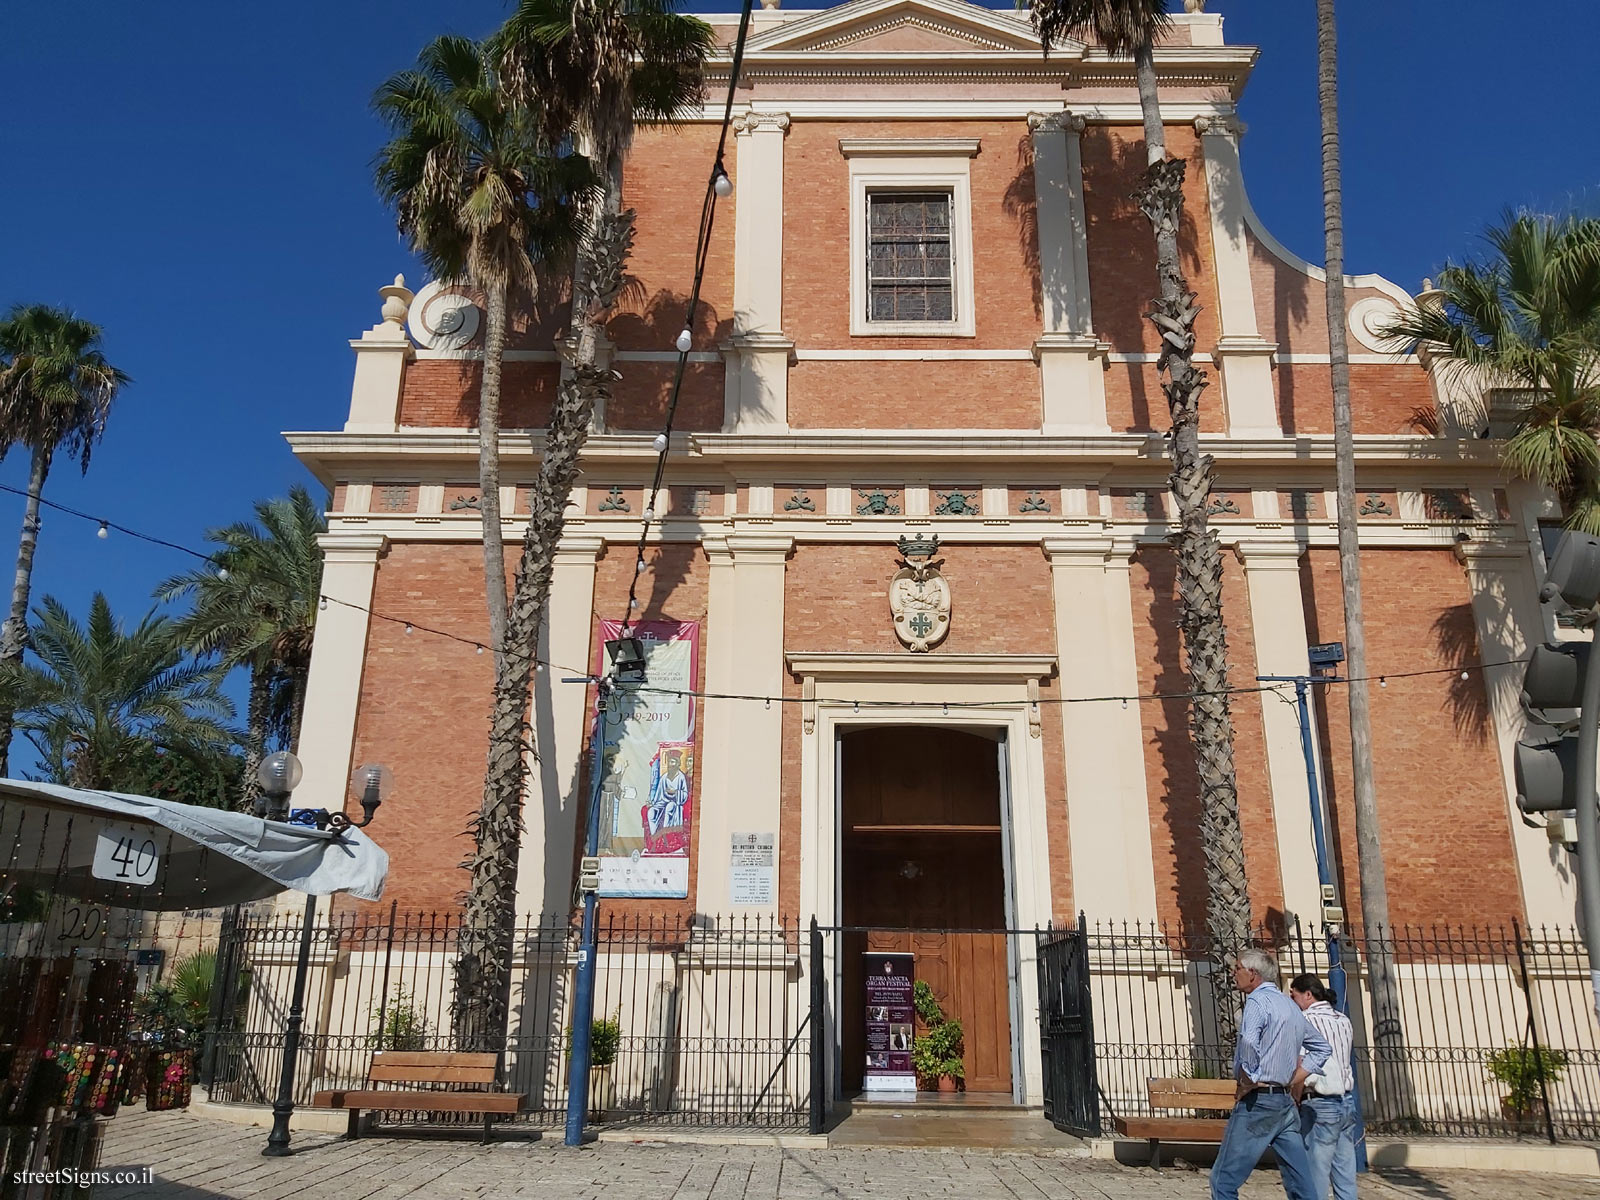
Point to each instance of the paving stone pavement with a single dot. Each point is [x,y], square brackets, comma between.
[195,1158]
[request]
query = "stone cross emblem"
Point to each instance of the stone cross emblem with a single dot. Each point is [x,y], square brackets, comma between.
[919,596]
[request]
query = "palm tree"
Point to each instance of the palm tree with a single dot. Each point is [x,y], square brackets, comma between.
[1525,321]
[56,390]
[1132,27]
[482,195]
[101,694]
[255,606]
[486,188]
[1384,986]
[589,68]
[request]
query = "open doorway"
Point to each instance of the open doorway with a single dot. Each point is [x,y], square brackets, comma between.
[922,849]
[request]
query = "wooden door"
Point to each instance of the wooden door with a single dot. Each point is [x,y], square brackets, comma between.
[922,850]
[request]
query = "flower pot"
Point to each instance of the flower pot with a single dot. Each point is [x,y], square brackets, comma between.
[602,1091]
[947,1083]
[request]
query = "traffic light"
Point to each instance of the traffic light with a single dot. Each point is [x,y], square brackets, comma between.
[1546,761]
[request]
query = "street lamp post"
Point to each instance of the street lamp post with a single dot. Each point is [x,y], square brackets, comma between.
[278,775]
[627,666]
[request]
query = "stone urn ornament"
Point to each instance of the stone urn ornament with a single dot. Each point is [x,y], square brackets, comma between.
[919,597]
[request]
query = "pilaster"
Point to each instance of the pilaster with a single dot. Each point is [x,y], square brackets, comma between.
[559,716]
[1244,357]
[744,738]
[757,356]
[333,686]
[1108,807]
[1071,359]
[1277,611]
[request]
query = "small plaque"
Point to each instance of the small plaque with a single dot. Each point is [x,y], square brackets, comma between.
[750,868]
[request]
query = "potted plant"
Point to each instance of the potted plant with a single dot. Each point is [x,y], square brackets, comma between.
[936,1049]
[605,1041]
[1526,1073]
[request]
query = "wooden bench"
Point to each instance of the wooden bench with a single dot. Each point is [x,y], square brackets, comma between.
[1211,1095]
[456,1083]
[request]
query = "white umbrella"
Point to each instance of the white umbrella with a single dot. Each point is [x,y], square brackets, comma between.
[140,852]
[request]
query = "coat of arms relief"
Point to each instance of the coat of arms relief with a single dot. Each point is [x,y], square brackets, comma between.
[919,597]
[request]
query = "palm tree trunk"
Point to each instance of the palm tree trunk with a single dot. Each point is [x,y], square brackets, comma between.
[1205,643]
[14,637]
[257,712]
[483,963]
[1388,1034]
[494,553]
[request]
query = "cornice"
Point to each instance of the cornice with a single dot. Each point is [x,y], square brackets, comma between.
[325,451]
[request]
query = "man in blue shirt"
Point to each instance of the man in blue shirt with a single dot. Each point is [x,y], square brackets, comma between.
[1277,1049]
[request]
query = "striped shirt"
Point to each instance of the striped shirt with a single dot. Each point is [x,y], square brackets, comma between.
[1337,1077]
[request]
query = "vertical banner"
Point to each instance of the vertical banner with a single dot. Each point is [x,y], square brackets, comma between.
[647,797]
[889,980]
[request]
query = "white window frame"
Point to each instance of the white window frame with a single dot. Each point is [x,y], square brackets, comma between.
[895,172]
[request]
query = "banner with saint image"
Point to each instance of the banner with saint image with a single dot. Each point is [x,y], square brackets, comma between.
[648,795]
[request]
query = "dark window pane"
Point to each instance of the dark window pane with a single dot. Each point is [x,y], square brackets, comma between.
[909,262]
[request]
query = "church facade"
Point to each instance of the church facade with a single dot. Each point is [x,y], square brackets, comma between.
[908,592]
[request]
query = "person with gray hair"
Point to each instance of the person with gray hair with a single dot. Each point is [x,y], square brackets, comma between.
[1277,1049]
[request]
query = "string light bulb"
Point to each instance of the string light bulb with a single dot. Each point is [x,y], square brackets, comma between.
[659,442]
[408,628]
[480,649]
[105,531]
[322,604]
[720,183]
[222,574]
[638,567]
[1382,682]
[685,340]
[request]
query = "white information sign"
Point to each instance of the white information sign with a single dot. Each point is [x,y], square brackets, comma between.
[750,868]
[126,854]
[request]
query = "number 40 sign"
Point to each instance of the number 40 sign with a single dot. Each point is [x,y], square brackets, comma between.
[126,854]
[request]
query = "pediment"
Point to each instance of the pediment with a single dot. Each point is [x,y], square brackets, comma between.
[920,27]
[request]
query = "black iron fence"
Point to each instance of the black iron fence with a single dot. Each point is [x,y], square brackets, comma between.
[697,1021]
[1497,1035]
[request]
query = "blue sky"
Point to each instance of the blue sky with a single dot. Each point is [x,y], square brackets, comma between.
[194,177]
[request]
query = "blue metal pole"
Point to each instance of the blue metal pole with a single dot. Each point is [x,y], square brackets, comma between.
[583,999]
[1338,979]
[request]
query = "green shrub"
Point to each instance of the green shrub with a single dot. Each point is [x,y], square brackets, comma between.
[927,1006]
[402,1027]
[1521,1068]
[605,1039]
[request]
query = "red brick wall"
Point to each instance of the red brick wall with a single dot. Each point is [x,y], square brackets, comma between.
[443,393]
[837,598]
[1170,776]
[664,181]
[987,394]
[1383,398]
[1122,255]
[1443,814]
[424,712]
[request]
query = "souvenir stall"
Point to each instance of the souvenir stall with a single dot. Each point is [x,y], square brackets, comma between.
[84,877]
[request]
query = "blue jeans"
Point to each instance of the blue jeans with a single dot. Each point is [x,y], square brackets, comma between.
[1260,1120]
[1328,1125]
